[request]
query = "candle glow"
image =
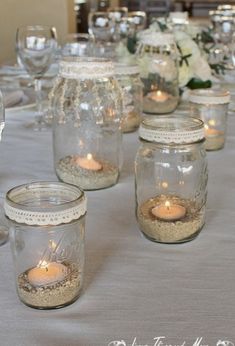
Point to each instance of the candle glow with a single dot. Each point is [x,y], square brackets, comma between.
[89,163]
[158,96]
[169,212]
[46,274]
[211,131]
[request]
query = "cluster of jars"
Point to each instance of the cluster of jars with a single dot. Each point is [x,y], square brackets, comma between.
[93,102]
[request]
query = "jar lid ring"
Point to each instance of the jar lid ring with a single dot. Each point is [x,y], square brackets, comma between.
[209,96]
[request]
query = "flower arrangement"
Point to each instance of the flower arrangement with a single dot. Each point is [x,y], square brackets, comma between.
[194,45]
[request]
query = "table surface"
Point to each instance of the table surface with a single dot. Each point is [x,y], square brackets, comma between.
[134,290]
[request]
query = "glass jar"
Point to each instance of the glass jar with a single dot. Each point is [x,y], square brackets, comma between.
[171,179]
[132,88]
[211,106]
[158,60]
[86,103]
[47,241]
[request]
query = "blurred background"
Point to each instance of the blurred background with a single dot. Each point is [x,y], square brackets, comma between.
[71,16]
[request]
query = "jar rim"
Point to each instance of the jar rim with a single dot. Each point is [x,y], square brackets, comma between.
[45,203]
[172,129]
[209,96]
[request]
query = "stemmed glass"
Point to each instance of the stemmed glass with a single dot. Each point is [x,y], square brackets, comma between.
[36,48]
[3,229]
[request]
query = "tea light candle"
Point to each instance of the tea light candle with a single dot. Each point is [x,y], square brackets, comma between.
[158,96]
[210,132]
[47,274]
[169,212]
[89,163]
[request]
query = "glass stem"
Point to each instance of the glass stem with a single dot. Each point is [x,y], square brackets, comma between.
[38,92]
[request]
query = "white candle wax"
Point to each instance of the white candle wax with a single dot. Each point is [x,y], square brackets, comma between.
[158,96]
[169,212]
[89,163]
[47,274]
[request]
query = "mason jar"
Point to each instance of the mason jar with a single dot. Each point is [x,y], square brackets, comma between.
[171,179]
[47,225]
[86,104]
[211,105]
[132,89]
[158,60]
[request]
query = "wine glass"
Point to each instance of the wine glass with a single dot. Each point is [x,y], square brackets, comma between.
[3,229]
[78,45]
[101,26]
[139,19]
[36,48]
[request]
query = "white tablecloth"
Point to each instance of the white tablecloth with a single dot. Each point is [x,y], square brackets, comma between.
[134,290]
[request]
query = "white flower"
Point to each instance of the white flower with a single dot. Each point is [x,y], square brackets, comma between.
[123,55]
[195,64]
[187,45]
[185,74]
[202,69]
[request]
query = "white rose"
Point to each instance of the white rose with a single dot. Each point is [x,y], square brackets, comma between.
[189,47]
[185,74]
[202,69]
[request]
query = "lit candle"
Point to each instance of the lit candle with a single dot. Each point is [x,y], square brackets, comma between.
[158,96]
[211,132]
[46,274]
[169,212]
[89,163]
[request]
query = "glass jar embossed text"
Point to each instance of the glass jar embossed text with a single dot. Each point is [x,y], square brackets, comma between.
[86,103]
[171,179]
[158,61]
[47,241]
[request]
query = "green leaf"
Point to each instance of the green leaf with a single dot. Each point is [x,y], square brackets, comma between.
[131,44]
[196,83]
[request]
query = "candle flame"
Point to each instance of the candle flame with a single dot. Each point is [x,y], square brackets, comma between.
[165,184]
[159,93]
[212,122]
[167,205]
[42,264]
[89,156]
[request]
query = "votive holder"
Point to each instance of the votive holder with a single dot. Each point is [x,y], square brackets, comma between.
[47,225]
[211,105]
[171,178]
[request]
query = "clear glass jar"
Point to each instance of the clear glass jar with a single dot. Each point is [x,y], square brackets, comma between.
[86,103]
[132,88]
[211,105]
[158,60]
[171,179]
[47,241]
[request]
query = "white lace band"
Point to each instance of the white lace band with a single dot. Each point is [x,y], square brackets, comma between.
[46,218]
[89,69]
[175,135]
